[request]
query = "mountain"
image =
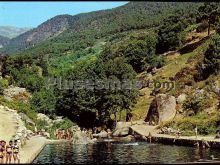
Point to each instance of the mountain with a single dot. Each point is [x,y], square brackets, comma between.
[162,43]
[81,31]
[44,31]
[11,32]
[3,41]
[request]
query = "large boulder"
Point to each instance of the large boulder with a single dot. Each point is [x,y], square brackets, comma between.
[102,134]
[128,138]
[162,109]
[122,129]
[216,87]
[25,118]
[181,98]
[45,118]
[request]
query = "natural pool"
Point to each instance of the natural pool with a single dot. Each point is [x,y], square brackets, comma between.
[112,152]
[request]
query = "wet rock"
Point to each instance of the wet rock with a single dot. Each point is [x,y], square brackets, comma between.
[80,137]
[122,129]
[128,138]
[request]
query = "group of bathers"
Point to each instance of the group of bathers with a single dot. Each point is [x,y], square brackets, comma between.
[9,151]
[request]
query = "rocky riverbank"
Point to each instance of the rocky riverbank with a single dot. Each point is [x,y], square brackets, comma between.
[144,130]
[12,127]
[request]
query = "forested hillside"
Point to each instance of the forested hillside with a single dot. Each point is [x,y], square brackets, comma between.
[130,42]
[81,31]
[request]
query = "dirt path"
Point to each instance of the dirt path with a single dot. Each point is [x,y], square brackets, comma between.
[8,124]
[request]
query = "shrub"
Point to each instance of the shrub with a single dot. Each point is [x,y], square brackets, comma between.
[193,103]
[3,85]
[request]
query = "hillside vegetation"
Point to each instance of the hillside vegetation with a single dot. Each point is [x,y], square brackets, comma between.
[162,41]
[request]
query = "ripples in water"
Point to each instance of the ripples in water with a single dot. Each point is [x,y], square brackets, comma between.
[114,152]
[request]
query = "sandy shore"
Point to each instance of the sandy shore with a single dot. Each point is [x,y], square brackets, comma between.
[7,125]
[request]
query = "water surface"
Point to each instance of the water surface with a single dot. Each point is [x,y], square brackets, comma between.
[112,152]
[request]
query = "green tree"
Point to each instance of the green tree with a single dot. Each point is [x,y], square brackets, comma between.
[44,101]
[209,12]
[169,33]
[3,85]
[211,61]
[139,52]
[212,55]
[193,103]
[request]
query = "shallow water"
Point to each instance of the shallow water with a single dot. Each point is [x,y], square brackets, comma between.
[113,152]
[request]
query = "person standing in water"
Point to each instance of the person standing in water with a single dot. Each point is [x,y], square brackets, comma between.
[16,152]
[9,148]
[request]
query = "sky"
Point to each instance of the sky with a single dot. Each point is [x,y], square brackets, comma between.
[32,14]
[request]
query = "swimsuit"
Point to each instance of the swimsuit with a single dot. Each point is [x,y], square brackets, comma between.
[9,150]
[15,149]
[1,153]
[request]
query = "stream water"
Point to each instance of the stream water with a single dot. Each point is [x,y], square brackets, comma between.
[115,152]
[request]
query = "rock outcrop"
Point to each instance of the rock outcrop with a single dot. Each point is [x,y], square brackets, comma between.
[16,93]
[22,133]
[80,137]
[162,109]
[181,98]
[216,87]
[49,122]
[122,129]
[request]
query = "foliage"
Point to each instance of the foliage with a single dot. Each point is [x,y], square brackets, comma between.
[20,107]
[102,101]
[140,52]
[209,12]
[3,85]
[211,63]
[206,124]
[193,103]
[44,101]
[169,33]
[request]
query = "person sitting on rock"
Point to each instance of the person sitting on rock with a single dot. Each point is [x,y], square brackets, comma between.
[16,152]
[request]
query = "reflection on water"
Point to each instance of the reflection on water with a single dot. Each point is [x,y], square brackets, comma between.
[112,152]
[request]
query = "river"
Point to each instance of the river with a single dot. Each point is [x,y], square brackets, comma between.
[115,152]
